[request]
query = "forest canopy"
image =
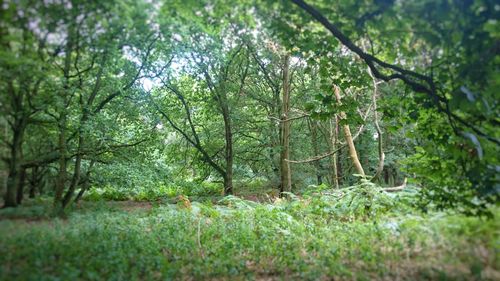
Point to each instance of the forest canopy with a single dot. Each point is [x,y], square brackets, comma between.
[385,102]
[207,90]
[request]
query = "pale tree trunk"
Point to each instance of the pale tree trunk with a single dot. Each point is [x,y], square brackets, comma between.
[348,137]
[286,178]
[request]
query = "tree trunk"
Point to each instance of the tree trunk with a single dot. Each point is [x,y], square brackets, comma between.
[85,185]
[13,178]
[273,156]
[286,181]
[228,185]
[61,176]
[42,182]
[276,109]
[81,192]
[381,154]
[33,182]
[391,181]
[333,143]
[348,137]
[340,172]
[86,182]
[4,154]
[386,176]
[228,179]
[74,183]
[64,96]
[76,174]
[20,186]
[84,188]
[313,127]
[12,183]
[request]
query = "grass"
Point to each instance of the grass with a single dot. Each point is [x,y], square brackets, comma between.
[315,237]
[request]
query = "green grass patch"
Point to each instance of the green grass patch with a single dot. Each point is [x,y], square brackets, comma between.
[307,238]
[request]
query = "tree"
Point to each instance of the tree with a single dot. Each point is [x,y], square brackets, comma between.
[286,177]
[24,75]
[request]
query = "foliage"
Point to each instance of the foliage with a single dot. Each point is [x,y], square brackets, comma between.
[140,98]
[146,140]
[155,192]
[364,201]
[247,240]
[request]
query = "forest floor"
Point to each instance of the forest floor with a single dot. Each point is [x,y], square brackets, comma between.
[308,238]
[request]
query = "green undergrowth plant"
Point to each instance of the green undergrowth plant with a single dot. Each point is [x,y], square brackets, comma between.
[154,193]
[364,200]
[293,239]
[33,209]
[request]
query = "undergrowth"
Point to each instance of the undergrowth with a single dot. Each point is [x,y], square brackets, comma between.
[160,191]
[357,233]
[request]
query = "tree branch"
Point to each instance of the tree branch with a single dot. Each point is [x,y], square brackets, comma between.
[417,82]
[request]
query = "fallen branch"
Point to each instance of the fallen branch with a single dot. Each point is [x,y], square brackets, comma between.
[396,188]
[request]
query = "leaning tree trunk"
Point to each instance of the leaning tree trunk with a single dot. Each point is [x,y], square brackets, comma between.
[75,180]
[286,178]
[86,183]
[76,174]
[85,187]
[348,137]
